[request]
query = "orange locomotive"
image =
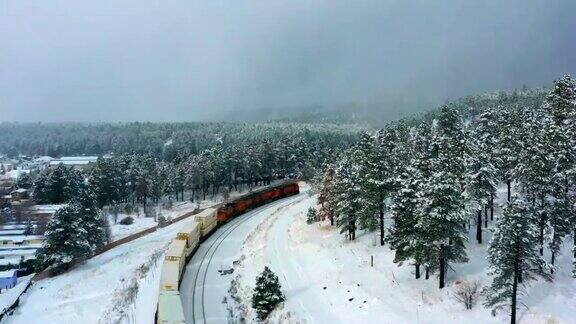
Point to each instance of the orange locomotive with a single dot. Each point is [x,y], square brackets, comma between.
[255,199]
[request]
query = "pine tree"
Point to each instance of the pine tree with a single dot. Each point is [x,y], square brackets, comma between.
[384,168]
[57,186]
[442,195]
[326,195]
[561,106]
[267,294]
[371,200]
[534,170]
[77,230]
[347,196]
[485,131]
[311,216]
[105,181]
[481,179]
[65,239]
[506,152]
[513,253]
[405,237]
[24,181]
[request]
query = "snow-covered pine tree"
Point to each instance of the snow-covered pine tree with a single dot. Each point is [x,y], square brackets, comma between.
[75,231]
[104,181]
[513,251]
[24,181]
[371,198]
[267,294]
[384,171]
[506,152]
[405,238]
[534,170]
[481,179]
[347,195]
[94,222]
[311,216]
[65,239]
[326,195]
[39,191]
[561,106]
[442,194]
[486,131]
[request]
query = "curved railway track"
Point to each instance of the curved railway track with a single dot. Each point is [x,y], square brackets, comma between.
[201,273]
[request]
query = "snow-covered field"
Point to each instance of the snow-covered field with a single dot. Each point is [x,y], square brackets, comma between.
[118,286]
[141,222]
[327,279]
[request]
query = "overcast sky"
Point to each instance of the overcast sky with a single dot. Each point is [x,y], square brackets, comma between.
[114,60]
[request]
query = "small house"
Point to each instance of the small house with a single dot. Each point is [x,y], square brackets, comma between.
[20,194]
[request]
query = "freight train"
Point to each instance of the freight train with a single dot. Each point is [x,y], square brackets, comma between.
[187,240]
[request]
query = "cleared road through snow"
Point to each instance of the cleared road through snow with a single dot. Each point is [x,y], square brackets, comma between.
[203,288]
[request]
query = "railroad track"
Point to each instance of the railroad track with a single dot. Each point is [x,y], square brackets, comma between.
[211,251]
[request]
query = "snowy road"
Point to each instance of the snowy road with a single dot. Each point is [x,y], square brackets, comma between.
[203,288]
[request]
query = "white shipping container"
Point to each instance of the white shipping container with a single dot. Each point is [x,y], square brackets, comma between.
[170,309]
[207,220]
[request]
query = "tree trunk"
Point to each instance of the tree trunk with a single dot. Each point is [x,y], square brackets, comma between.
[381,222]
[574,243]
[486,216]
[553,258]
[427,275]
[442,267]
[491,206]
[479,227]
[509,186]
[514,293]
[417,265]
[542,235]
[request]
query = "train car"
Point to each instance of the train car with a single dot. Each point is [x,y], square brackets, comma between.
[225,213]
[291,189]
[191,234]
[170,309]
[207,219]
[255,199]
[173,264]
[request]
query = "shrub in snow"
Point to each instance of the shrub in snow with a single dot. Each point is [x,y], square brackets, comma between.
[267,294]
[162,220]
[127,221]
[311,216]
[128,208]
[467,293]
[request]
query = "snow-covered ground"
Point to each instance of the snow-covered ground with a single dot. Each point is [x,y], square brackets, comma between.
[118,286]
[141,222]
[327,279]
